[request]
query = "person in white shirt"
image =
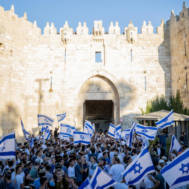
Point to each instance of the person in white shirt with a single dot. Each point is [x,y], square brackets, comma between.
[71,169]
[19,177]
[116,169]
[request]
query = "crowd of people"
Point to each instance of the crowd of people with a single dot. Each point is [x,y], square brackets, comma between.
[61,164]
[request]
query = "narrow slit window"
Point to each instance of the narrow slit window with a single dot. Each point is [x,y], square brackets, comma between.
[184,48]
[98,57]
[145,83]
[131,55]
[186,83]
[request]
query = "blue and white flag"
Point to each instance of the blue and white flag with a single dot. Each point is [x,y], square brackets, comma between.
[61,117]
[118,132]
[89,128]
[175,145]
[176,173]
[147,132]
[111,130]
[101,179]
[8,147]
[125,134]
[67,130]
[26,133]
[46,134]
[138,168]
[129,141]
[166,121]
[64,137]
[44,120]
[85,185]
[81,137]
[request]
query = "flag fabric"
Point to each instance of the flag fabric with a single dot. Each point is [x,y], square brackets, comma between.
[118,132]
[125,134]
[85,184]
[61,117]
[166,121]
[111,130]
[26,133]
[64,137]
[44,120]
[176,173]
[175,145]
[46,134]
[67,130]
[8,147]
[138,168]
[147,132]
[89,128]
[101,179]
[81,137]
[131,136]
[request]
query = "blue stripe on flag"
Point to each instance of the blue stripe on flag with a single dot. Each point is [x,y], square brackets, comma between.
[10,136]
[10,153]
[180,158]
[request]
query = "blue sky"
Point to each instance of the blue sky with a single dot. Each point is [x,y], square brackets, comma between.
[58,11]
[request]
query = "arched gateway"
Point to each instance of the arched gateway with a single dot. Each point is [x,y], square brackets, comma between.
[99,102]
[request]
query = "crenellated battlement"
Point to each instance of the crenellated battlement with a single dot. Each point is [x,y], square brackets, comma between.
[21,26]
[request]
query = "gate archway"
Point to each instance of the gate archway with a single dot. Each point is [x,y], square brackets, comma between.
[98,102]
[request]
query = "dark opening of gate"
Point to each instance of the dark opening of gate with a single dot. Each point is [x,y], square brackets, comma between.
[99,112]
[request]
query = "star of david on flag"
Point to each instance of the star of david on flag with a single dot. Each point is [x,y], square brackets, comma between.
[141,166]
[7,147]
[176,173]
[146,131]
[81,137]
[111,130]
[67,130]
[89,128]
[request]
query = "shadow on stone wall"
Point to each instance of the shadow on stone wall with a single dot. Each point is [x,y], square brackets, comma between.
[165,59]
[9,119]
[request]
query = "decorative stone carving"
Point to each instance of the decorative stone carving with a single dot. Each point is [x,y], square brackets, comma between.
[66,33]
[98,28]
[131,33]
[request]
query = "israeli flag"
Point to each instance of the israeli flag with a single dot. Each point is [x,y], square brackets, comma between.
[125,134]
[118,132]
[46,134]
[111,130]
[101,179]
[176,173]
[85,184]
[64,137]
[166,121]
[44,120]
[26,133]
[7,147]
[81,137]
[139,167]
[175,145]
[147,132]
[131,136]
[89,128]
[67,130]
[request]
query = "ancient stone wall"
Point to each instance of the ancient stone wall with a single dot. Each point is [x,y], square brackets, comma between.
[45,73]
[179,49]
